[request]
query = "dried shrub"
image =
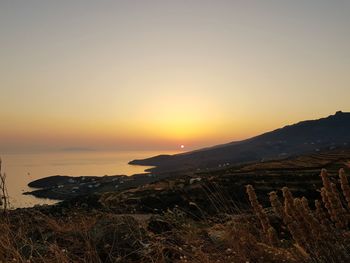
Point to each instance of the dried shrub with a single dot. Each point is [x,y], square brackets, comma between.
[317,239]
[4,198]
[269,231]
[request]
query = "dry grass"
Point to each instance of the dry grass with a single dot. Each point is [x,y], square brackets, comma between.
[292,230]
[4,200]
[320,235]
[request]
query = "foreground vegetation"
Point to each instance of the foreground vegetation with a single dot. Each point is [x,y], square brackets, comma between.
[290,229]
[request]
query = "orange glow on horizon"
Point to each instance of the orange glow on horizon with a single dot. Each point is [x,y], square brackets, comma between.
[166,73]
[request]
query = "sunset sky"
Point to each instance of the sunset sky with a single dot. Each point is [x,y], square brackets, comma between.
[147,74]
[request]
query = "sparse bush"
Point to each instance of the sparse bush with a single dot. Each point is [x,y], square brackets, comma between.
[4,200]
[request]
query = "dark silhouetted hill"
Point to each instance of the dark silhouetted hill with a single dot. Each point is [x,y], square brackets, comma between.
[304,137]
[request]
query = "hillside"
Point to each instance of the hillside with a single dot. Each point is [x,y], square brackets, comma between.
[304,137]
[208,216]
[301,174]
[164,190]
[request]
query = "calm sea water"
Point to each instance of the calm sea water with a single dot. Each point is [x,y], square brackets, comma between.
[24,168]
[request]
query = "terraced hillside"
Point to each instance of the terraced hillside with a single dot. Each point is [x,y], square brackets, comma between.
[224,186]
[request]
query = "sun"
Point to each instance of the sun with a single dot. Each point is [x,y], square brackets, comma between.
[182,146]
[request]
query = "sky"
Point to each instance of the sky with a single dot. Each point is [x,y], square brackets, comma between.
[158,74]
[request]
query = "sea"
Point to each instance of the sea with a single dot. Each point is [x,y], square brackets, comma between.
[21,169]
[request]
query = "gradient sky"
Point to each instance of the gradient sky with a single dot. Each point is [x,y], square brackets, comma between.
[153,74]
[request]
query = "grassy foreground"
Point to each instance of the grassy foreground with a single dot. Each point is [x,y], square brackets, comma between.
[290,230]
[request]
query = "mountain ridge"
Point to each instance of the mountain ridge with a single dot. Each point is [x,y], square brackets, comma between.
[301,137]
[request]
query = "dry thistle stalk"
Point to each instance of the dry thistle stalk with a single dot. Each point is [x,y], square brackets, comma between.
[305,204]
[326,203]
[290,219]
[273,237]
[310,223]
[332,201]
[297,235]
[345,186]
[320,214]
[300,218]
[258,209]
[339,209]
[276,204]
[260,213]
[4,198]
[289,207]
